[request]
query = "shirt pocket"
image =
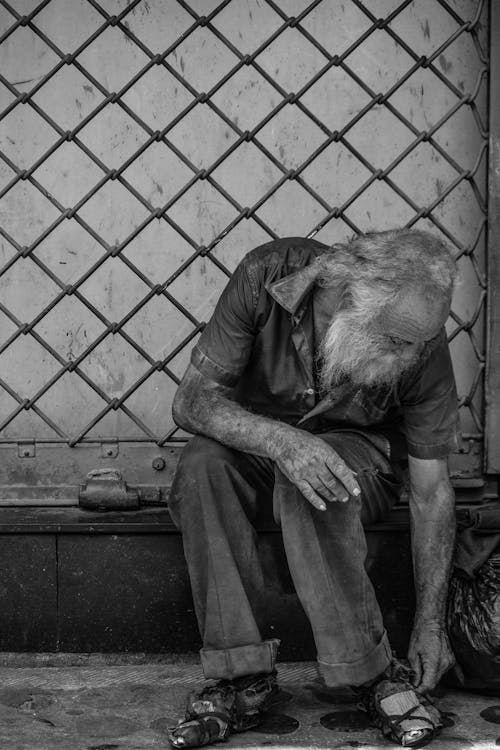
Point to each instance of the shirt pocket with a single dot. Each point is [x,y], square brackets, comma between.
[369,407]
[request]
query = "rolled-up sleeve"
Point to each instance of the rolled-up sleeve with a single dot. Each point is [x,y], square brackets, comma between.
[224,347]
[430,406]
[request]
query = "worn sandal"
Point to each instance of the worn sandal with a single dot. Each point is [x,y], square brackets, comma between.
[403,716]
[208,719]
[228,706]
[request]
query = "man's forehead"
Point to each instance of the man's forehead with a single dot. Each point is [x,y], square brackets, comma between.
[414,317]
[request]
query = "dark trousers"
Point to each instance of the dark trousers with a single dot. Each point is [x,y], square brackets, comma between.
[216,496]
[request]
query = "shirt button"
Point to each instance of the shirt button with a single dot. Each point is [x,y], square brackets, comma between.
[309,392]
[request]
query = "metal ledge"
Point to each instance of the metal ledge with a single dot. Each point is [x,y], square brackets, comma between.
[72,520]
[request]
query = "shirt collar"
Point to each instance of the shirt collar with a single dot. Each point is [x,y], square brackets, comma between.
[291,290]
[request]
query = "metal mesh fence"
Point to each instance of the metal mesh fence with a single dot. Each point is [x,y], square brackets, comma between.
[235,90]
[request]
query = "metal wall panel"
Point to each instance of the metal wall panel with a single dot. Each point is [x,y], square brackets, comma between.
[146,145]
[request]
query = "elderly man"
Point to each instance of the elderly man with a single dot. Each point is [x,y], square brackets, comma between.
[323,372]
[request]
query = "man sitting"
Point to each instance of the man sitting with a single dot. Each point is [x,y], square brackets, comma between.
[323,372]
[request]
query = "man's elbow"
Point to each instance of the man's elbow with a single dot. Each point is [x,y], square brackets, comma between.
[195,403]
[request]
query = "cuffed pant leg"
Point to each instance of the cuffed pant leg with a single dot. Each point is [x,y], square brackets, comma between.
[326,554]
[255,658]
[213,502]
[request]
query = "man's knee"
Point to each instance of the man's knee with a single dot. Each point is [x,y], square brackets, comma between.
[201,455]
[198,465]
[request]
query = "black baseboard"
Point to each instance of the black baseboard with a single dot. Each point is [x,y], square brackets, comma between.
[73,581]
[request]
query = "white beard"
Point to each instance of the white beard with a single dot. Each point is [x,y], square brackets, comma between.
[351,350]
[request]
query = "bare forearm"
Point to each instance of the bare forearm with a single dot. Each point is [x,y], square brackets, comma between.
[215,415]
[433,537]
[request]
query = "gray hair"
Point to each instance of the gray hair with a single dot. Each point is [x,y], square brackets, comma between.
[375,267]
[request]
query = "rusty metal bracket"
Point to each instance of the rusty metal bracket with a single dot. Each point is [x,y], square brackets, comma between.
[106,489]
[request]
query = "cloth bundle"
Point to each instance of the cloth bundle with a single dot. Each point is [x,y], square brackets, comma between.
[474,599]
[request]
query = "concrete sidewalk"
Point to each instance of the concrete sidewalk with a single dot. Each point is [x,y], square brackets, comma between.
[130,706]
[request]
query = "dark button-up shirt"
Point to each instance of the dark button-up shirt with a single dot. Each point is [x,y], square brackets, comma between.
[260,340]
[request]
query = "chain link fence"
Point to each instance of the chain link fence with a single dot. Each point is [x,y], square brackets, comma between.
[145,146]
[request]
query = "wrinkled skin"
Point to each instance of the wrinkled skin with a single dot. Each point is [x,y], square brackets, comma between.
[313,467]
[432,518]
[429,654]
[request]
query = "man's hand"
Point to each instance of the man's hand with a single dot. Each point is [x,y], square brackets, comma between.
[313,467]
[206,407]
[429,654]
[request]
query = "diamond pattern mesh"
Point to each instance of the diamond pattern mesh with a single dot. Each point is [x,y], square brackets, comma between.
[145,146]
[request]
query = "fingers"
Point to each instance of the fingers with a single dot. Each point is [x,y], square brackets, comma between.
[317,494]
[327,487]
[310,494]
[429,680]
[430,656]
[316,469]
[431,673]
[344,474]
[319,473]
[334,490]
